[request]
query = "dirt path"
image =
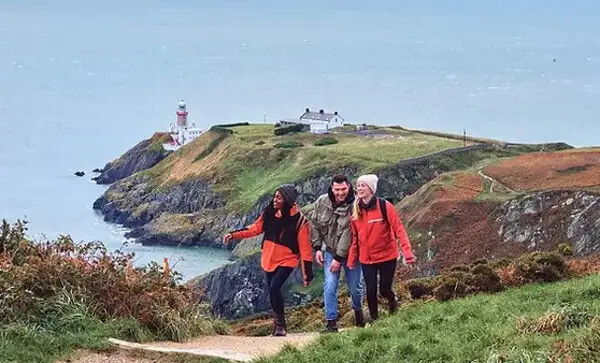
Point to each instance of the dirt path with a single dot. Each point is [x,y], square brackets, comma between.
[235,348]
[495,182]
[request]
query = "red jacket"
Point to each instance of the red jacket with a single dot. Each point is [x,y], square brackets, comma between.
[275,252]
[374,240]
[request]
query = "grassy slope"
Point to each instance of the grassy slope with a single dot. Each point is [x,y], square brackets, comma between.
[480,328]
[246,166]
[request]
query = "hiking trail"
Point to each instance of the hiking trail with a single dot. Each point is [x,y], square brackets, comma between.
[234,348]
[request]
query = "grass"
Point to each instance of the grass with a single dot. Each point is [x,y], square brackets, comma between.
[481,328]
[246,166]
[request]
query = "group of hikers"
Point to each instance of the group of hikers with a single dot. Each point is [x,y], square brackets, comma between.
[353,230]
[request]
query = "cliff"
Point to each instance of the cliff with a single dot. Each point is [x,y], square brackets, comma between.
[507,207]
[238,290]
[142,156]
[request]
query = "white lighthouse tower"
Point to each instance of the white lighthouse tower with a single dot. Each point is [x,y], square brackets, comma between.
[182,114]
[181,133]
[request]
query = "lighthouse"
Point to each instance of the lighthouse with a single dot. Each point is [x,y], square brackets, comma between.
[182,114]
[181,133]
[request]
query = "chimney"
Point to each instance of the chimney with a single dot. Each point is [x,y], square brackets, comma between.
[321,112]
[307,110]
[335,113]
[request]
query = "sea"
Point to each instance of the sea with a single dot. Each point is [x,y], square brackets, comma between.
[83,81]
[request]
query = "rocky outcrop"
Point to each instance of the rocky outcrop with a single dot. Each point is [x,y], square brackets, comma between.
[240,289]
[142,156]
[466,230]
[544,220]
[137,200]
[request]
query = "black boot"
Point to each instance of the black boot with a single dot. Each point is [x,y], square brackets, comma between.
[280,325]
[359,318]
[393,306]
[332,325]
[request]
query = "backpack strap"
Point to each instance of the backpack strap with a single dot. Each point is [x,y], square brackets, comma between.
[383,208]
[301,221]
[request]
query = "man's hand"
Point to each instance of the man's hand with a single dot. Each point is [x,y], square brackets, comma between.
[335,266]
[319,257]
[227,238]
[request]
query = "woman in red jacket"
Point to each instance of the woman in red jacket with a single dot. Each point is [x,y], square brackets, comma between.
[286,241]
[376,227]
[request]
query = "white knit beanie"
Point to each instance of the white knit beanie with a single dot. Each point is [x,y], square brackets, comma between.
[369,179]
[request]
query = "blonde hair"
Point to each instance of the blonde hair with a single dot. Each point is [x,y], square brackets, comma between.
[356,213]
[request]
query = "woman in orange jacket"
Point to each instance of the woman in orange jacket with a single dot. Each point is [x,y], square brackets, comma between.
[286,242]
[376,227]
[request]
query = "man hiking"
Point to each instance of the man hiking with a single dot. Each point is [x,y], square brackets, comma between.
[331,238]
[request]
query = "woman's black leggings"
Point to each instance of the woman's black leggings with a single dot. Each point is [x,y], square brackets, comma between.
[275,280]
[386,271]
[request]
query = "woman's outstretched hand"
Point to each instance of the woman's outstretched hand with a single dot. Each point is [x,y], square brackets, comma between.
[227,238]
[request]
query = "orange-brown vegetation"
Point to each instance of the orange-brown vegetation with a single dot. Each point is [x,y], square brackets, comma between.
[548,170]
[37,278]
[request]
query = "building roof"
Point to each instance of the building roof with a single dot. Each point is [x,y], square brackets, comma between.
[318,116]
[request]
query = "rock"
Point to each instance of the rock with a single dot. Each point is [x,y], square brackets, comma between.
[142,156]
[239,289]
[79,173]
[97,170]
[545,219]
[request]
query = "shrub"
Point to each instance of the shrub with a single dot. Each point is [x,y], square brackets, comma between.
[221,129]
[287,129]
[326,141]
[565,249]
[39,279]
[232,124]
[541,267]
[419,288]
[288,145]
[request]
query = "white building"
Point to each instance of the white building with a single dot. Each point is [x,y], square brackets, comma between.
[182,133]
[319,122]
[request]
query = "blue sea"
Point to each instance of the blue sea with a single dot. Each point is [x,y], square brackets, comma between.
[81,82]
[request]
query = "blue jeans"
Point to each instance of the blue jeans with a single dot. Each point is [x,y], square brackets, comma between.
[330,288]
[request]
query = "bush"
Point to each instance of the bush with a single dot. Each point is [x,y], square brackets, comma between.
[565,249]
[287,129]
[221,129]
[232,124]
[288,145]
[39,280]
[326,141]
[541,267]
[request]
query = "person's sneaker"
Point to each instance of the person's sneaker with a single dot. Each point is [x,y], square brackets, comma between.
[359,318]
[332,326]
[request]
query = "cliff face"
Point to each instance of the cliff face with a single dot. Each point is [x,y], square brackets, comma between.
[142,156]
[239,289]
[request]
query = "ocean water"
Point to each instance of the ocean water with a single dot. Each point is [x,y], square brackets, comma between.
[81,82]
